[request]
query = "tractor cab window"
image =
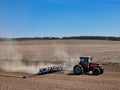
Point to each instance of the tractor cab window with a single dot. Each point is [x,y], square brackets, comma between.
[90,60]
[84,60]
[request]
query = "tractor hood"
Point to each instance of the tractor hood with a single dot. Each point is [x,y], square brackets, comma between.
[95,64]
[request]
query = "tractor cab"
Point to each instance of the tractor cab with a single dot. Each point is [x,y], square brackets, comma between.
[85,60]
[87,64]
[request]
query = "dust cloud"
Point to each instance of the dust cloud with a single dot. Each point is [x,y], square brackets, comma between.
[60,52]
[19,66]
[11,60]
[68,61]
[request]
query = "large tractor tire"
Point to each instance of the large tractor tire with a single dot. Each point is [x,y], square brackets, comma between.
[96,71]
[101,70]
[78,69]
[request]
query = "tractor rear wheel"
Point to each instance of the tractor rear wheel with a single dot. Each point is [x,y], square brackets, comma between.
[96,71]
[101,70]
[78,69]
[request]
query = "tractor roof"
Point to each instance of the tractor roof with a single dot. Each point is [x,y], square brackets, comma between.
[85,57]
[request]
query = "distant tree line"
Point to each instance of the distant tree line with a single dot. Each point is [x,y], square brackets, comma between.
[66,38]
[93,38]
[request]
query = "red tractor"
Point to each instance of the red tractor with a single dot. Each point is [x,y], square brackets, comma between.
[86,66]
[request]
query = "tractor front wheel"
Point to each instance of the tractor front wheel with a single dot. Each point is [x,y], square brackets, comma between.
[78,69]
[96,71]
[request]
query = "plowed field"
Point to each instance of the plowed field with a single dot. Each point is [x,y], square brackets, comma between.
[110,80]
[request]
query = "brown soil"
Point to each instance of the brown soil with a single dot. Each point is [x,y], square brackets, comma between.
[110,80]
[55,51]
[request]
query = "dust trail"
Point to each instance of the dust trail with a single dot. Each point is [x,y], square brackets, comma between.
[60,52]
[11,59]
[19,66]
[68,65]
[8,50]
